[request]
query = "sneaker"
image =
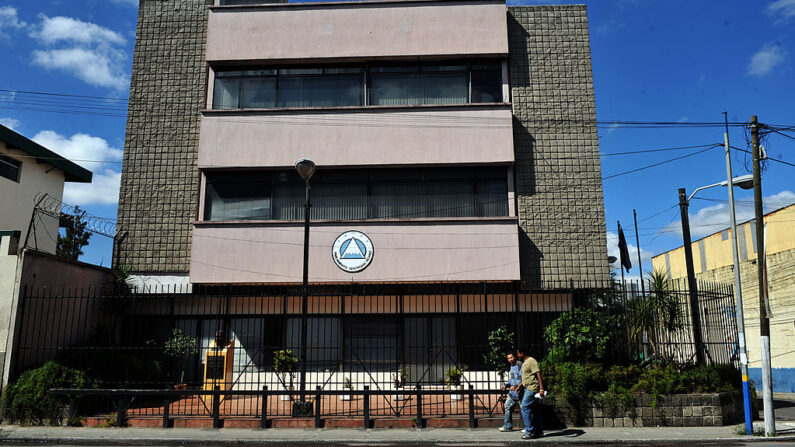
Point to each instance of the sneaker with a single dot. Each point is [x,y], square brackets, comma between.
[527,436]
[504,429]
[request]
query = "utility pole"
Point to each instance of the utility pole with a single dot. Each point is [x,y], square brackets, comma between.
[764,320]
[691,278]
[637,243]
[738,289]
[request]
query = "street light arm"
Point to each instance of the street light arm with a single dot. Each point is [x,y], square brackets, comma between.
[704,187]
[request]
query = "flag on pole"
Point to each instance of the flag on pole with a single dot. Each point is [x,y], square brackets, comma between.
[623,250]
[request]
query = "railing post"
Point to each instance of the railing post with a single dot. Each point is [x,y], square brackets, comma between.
[419,406]
[366,406]
[166,408]
[71,407]
[263,420]
[317,408]
[120,412]
[471,406]
[216,407]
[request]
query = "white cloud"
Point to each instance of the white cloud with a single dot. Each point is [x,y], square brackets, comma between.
[765,60]
[92,53]
[9,20]
[55,29]
[103,189]
[782,9]
[78,147]
[716,218]
[11,123]
[126,2]
[95,67]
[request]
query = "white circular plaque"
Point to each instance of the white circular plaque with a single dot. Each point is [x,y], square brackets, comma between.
[352,251]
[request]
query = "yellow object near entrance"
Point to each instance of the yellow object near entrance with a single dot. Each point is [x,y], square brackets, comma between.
[218,364]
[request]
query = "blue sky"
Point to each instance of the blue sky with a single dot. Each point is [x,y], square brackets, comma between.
[653,60]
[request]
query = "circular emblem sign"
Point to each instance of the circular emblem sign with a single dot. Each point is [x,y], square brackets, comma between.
[352,251]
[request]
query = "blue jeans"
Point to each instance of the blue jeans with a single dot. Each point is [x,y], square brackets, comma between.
[509,404]
[531,413]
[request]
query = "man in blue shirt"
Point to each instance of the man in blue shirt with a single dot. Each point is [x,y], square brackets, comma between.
[512,385]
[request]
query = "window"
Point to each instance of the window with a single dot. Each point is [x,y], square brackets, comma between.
[386,84]
[9,168]
[358,194]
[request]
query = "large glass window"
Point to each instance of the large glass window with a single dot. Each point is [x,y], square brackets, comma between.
[9,168]
[392,84]
[237,196]
[411,85]
[358,194]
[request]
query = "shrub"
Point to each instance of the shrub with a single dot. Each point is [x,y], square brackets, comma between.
[28,399]
[581,335]
[571,383]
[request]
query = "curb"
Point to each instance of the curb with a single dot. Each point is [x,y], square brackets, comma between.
[86,441]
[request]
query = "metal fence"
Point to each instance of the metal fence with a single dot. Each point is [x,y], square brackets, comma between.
[393,339]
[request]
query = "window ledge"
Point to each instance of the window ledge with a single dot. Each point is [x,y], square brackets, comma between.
[475,106]
[421,220]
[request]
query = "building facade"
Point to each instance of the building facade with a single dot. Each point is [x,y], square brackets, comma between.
[712,261]
[459,137]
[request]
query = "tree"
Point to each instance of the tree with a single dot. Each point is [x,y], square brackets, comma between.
[70,246]
[501,342]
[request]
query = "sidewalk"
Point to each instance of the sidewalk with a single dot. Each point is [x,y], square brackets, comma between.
[227,437]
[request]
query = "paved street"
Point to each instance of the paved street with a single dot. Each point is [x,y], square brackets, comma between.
[709,436]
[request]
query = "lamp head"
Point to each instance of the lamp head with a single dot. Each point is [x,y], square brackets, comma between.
[305,168]
[743,181]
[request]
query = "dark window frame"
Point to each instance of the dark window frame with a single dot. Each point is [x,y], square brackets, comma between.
[8,165]
[366,71]
[478,179]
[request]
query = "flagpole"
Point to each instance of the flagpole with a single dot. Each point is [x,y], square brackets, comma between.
[620,259]
[640,265]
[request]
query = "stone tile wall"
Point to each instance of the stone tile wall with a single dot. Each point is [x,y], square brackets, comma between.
[558,174]
[677,410]
[157,201]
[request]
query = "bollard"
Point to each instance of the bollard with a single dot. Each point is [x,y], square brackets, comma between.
[263,421]
[166,408]
[217,408]
[419,406]
[471,406]
[317,408]
[366,406]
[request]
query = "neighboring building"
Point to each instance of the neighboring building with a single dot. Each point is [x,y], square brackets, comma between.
[27,170]
[712,261]
[459,136]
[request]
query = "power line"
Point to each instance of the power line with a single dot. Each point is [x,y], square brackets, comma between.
[766,158]
[28,92]
[660,163]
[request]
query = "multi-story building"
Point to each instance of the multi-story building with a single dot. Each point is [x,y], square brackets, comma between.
[455,141]
[713,261]
[458,136]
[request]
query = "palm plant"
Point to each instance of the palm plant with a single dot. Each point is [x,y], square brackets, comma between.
[657,315]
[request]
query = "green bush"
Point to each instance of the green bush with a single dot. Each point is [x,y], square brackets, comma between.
[581,335]
[28,399]
[571,383]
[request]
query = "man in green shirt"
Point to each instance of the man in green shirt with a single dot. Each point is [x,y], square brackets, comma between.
[531,381]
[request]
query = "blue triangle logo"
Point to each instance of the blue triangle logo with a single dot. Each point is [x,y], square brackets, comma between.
[353,249]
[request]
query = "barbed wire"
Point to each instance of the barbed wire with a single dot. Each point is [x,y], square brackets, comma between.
[55,207]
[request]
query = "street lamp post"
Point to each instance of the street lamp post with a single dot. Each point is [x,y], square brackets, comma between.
[745,182]
[305,168]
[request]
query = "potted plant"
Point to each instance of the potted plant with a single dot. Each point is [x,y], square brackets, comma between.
[501,342]
[284,363]
[346,385]
[453,381]
[178,348]
[399,381]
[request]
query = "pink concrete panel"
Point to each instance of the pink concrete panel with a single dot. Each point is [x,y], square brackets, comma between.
[270,252]
[377,136]
[353,30]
